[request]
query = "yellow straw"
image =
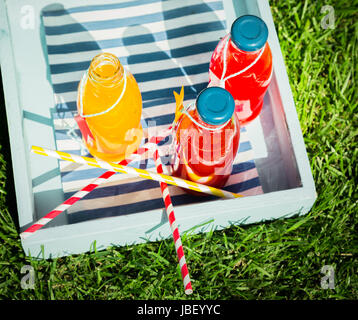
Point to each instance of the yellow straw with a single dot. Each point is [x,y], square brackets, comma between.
[137,172]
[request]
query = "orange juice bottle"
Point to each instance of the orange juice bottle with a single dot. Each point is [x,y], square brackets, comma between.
[109,104]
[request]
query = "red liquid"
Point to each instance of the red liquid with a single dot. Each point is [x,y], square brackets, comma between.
[249,87]
[205,156]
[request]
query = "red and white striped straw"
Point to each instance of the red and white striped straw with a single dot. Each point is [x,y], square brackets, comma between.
[87,189]
[69,202]
[173,224]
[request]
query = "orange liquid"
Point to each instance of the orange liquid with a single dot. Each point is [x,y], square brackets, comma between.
[116,133]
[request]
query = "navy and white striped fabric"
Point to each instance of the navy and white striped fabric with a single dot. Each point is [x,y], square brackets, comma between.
[165,45]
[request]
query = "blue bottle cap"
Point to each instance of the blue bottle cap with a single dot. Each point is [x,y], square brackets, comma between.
[249,33]
[215,105]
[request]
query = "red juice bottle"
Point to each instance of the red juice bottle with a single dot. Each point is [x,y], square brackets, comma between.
[207,138]
[242,64]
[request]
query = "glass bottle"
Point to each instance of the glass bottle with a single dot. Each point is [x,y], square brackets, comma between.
[109,104]
[244,56]
[207,139]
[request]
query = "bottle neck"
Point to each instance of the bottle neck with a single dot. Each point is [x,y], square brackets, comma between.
[234,48]
[105,71]
[194,116]
[241,58]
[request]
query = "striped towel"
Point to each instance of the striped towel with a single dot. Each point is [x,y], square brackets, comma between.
[166,45]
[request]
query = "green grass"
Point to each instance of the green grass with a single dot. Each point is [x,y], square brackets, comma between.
[276,260]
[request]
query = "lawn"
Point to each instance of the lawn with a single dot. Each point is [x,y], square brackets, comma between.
[281,259]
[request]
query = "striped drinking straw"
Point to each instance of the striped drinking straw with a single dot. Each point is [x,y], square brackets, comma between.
[173,224]
[136,172]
